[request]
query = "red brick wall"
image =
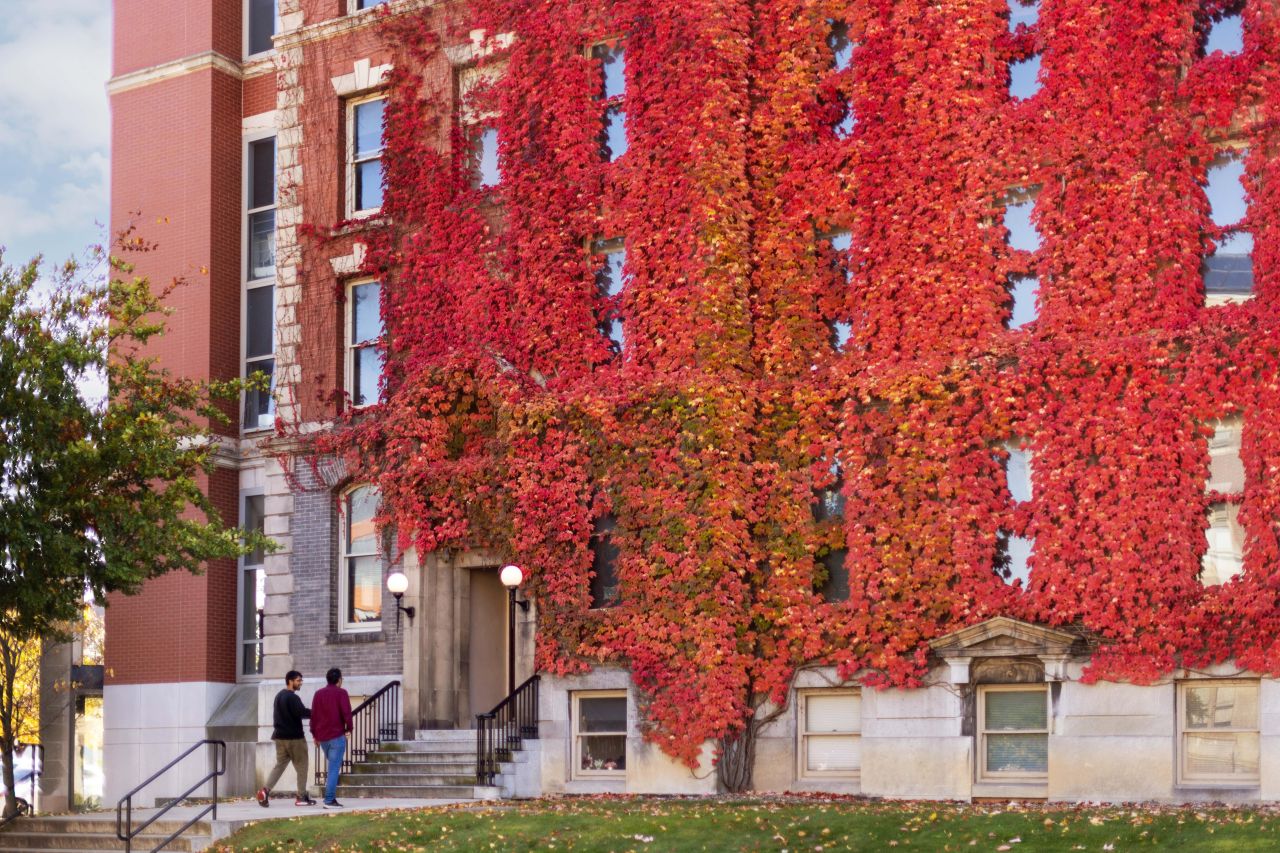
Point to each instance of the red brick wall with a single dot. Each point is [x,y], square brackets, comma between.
[149,32]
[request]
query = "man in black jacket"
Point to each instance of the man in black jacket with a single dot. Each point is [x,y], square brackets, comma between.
[291,743]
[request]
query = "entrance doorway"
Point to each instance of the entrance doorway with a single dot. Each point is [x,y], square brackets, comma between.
[487,652]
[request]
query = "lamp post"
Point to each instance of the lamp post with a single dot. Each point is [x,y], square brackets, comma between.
[512,577]
[397,584]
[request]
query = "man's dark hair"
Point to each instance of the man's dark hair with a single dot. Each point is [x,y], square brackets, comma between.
[291,675]
[333,676]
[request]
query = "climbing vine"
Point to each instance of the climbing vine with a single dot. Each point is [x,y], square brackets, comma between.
[510,423]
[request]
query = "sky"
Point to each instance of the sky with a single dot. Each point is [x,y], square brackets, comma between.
[55,58]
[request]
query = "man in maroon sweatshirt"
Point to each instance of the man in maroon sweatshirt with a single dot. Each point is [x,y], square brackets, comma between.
[330,725]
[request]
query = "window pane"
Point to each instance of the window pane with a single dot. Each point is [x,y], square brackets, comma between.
[841,46]
[259,405]
[848,122]
[364,590]
[1024,78]
[368,375]
[369,4]
[1221,754]
[369,185]
[1229,273]
[260,315]
[604,752]
[368,128]
[610,277]
[1224,554]
[362,534]
[1023,12]
[613,69]
[615,133]
[1017,472]
[262,173]
[836,586]
[841,241]
[485,151]
[1221,706]
[1226,469]
[254,521]
[1225,190]
[1013,710]
[841,330]
[602,714]
[831,499]
[833,754]
[262,244]
[366,316]
[1013,557]
[604,563]
[1017,753]
[1023,234]
[1226,35]
[832,712]
[262,24]
[1023,290]
[254,601]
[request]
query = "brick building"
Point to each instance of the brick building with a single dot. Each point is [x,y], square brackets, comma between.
[236,127]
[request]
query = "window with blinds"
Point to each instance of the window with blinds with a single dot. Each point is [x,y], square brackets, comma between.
[1218,734]
[830,728]
[1014,731]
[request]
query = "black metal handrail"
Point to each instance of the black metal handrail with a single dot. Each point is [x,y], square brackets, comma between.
[374,721]
[27,807]
[124,808]
[503,730]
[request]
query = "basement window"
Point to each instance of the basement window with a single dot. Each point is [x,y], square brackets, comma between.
[1218,735]
[1014,732]
[600,734]
[830,729]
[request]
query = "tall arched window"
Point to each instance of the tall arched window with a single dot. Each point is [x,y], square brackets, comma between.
[360,576]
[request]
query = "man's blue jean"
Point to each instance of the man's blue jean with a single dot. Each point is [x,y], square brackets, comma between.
[334,750]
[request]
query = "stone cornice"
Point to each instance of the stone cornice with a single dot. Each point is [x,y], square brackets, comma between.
[197,62]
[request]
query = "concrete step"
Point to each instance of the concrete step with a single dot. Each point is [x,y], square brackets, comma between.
[425,748]
[452,768]
[85,841]
[98,823]
[446,792]
[361,779]
[445,735]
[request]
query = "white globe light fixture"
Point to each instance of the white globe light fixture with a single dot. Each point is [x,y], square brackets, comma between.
[398,585]
[511,576]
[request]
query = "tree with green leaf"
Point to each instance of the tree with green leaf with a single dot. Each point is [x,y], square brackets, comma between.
[96,496]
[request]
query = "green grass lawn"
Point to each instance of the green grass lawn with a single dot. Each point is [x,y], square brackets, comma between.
[791,824]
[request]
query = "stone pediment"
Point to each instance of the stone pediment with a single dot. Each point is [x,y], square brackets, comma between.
[1004,637]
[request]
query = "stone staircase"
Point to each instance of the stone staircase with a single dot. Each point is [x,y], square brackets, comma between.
[436,764]
[95,833]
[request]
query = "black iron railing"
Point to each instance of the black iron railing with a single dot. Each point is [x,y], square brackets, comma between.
[126,831]
[32,805]
[374,721]
[503,730]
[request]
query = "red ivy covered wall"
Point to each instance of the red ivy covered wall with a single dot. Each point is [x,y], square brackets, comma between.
[509,423]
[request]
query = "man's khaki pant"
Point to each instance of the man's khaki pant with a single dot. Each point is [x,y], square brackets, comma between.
[295,752]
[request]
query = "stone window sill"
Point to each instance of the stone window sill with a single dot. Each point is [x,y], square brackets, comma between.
[355,637]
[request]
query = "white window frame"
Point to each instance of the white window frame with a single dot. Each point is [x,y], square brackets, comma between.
[242,591]
[804,736]
[351,346]
[344,592]
[350,166]
[1207,781]
[249,283]
[985,775]
[245,17]
[577,771]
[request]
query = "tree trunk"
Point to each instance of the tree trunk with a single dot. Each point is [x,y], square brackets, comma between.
[9,669]
[738,759]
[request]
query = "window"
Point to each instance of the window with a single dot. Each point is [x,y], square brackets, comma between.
[611,280]
[1024,292]
[604,563]
[1226,35]
[1023,12]
[600,734]
[1224,549]
[612,95]
[364,156]
[1228,271]
[360,592]
[1022,236]
[484,158]
[1013,732]
[1218,731]
[830,726]
[261,25]
[829,506]
[261,174]
[357,5]
[253,589]
[1017,470]
[1013,557]
[1024,78]
[840,242]
[364,342]
[841,45]
[260,270]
